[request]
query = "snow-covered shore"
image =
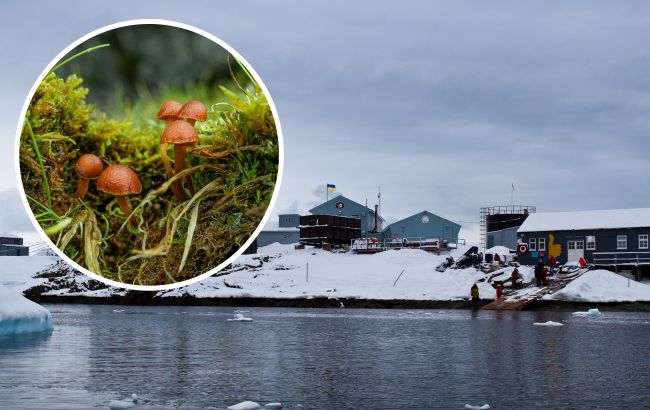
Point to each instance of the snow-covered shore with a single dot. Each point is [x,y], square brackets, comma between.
[280,272]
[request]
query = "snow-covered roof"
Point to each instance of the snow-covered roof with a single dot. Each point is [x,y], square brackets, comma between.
[582,220]
[8,235]
[273,225]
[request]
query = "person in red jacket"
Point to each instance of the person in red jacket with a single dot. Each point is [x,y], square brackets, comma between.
[582,262]
[552,263]
[499,287]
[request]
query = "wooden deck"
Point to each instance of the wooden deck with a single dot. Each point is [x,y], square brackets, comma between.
[520,298]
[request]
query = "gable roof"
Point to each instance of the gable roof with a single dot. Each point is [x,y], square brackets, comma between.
[581,220]
[430,214]
[338,198]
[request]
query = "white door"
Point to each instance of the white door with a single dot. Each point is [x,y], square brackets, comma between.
[575,250]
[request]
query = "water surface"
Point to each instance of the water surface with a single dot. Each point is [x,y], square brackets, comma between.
[193,358]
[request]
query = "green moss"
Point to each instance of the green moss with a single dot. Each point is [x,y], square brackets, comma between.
[234,169]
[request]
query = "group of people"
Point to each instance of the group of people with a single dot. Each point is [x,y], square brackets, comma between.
[541,278]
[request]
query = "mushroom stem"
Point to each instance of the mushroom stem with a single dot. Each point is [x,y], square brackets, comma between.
[82,187]
[177,188]
[126,209]
[179,162]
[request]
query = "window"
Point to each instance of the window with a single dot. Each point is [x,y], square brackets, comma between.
[532,244]
[643,241]
[591,243]
[287,219]
[621,242]
[285,236]
[542,244]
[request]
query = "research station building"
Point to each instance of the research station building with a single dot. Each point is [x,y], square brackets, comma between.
[604,238]
[423,225]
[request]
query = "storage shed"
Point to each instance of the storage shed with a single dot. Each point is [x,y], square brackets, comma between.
[12,245]
[606,237]
[284,230]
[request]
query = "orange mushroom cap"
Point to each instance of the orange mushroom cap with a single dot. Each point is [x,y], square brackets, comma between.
[89,166]
[169,110]
[119,180]
[193,110]
[179,132]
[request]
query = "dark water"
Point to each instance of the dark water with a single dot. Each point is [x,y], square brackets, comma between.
[190,358]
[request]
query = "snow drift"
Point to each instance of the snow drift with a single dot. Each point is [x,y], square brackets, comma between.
[602,286]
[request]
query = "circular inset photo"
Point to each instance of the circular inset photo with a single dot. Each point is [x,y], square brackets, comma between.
[150,154]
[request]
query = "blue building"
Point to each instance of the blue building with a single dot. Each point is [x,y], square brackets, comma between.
[423,225]
[342,206]
[12,245]
[285,231]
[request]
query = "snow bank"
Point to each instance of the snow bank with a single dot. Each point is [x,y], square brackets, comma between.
[20,315]
[280,271]
[602,286]
[501,250]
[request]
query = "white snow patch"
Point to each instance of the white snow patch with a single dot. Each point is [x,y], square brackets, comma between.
[124,403]
[501,250]
[590,312]
[245,405]
[583,220]
[239,317]
[20,315]
[549,323]
[602,286]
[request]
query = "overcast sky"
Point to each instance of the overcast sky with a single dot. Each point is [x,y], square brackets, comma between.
[444,105]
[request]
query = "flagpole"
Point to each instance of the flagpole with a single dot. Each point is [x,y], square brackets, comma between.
[327,200]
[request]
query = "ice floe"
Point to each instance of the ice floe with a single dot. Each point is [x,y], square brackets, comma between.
[20,315]
[589,313]
[549,323]
[124,403]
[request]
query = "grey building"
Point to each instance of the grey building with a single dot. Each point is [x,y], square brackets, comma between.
[12,245]
[608,237]
[499,224]
[425,225]
[342,206]
[284,231]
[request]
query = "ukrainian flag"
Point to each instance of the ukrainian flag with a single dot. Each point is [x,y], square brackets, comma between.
[331,187]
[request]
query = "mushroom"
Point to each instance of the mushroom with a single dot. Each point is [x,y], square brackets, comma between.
[120,180]
[193,111]
[169,112]
[181,134]
[89,167]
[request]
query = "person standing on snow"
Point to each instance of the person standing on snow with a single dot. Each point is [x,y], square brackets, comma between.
[552,263]
[514,277]
[539,272]
[474,293]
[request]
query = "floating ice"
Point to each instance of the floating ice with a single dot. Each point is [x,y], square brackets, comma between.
[590,312]
[124,403]
[245,405]
[20,315]
[239,317]
[483,407]
[118,310]
[548,323]
[274,405]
